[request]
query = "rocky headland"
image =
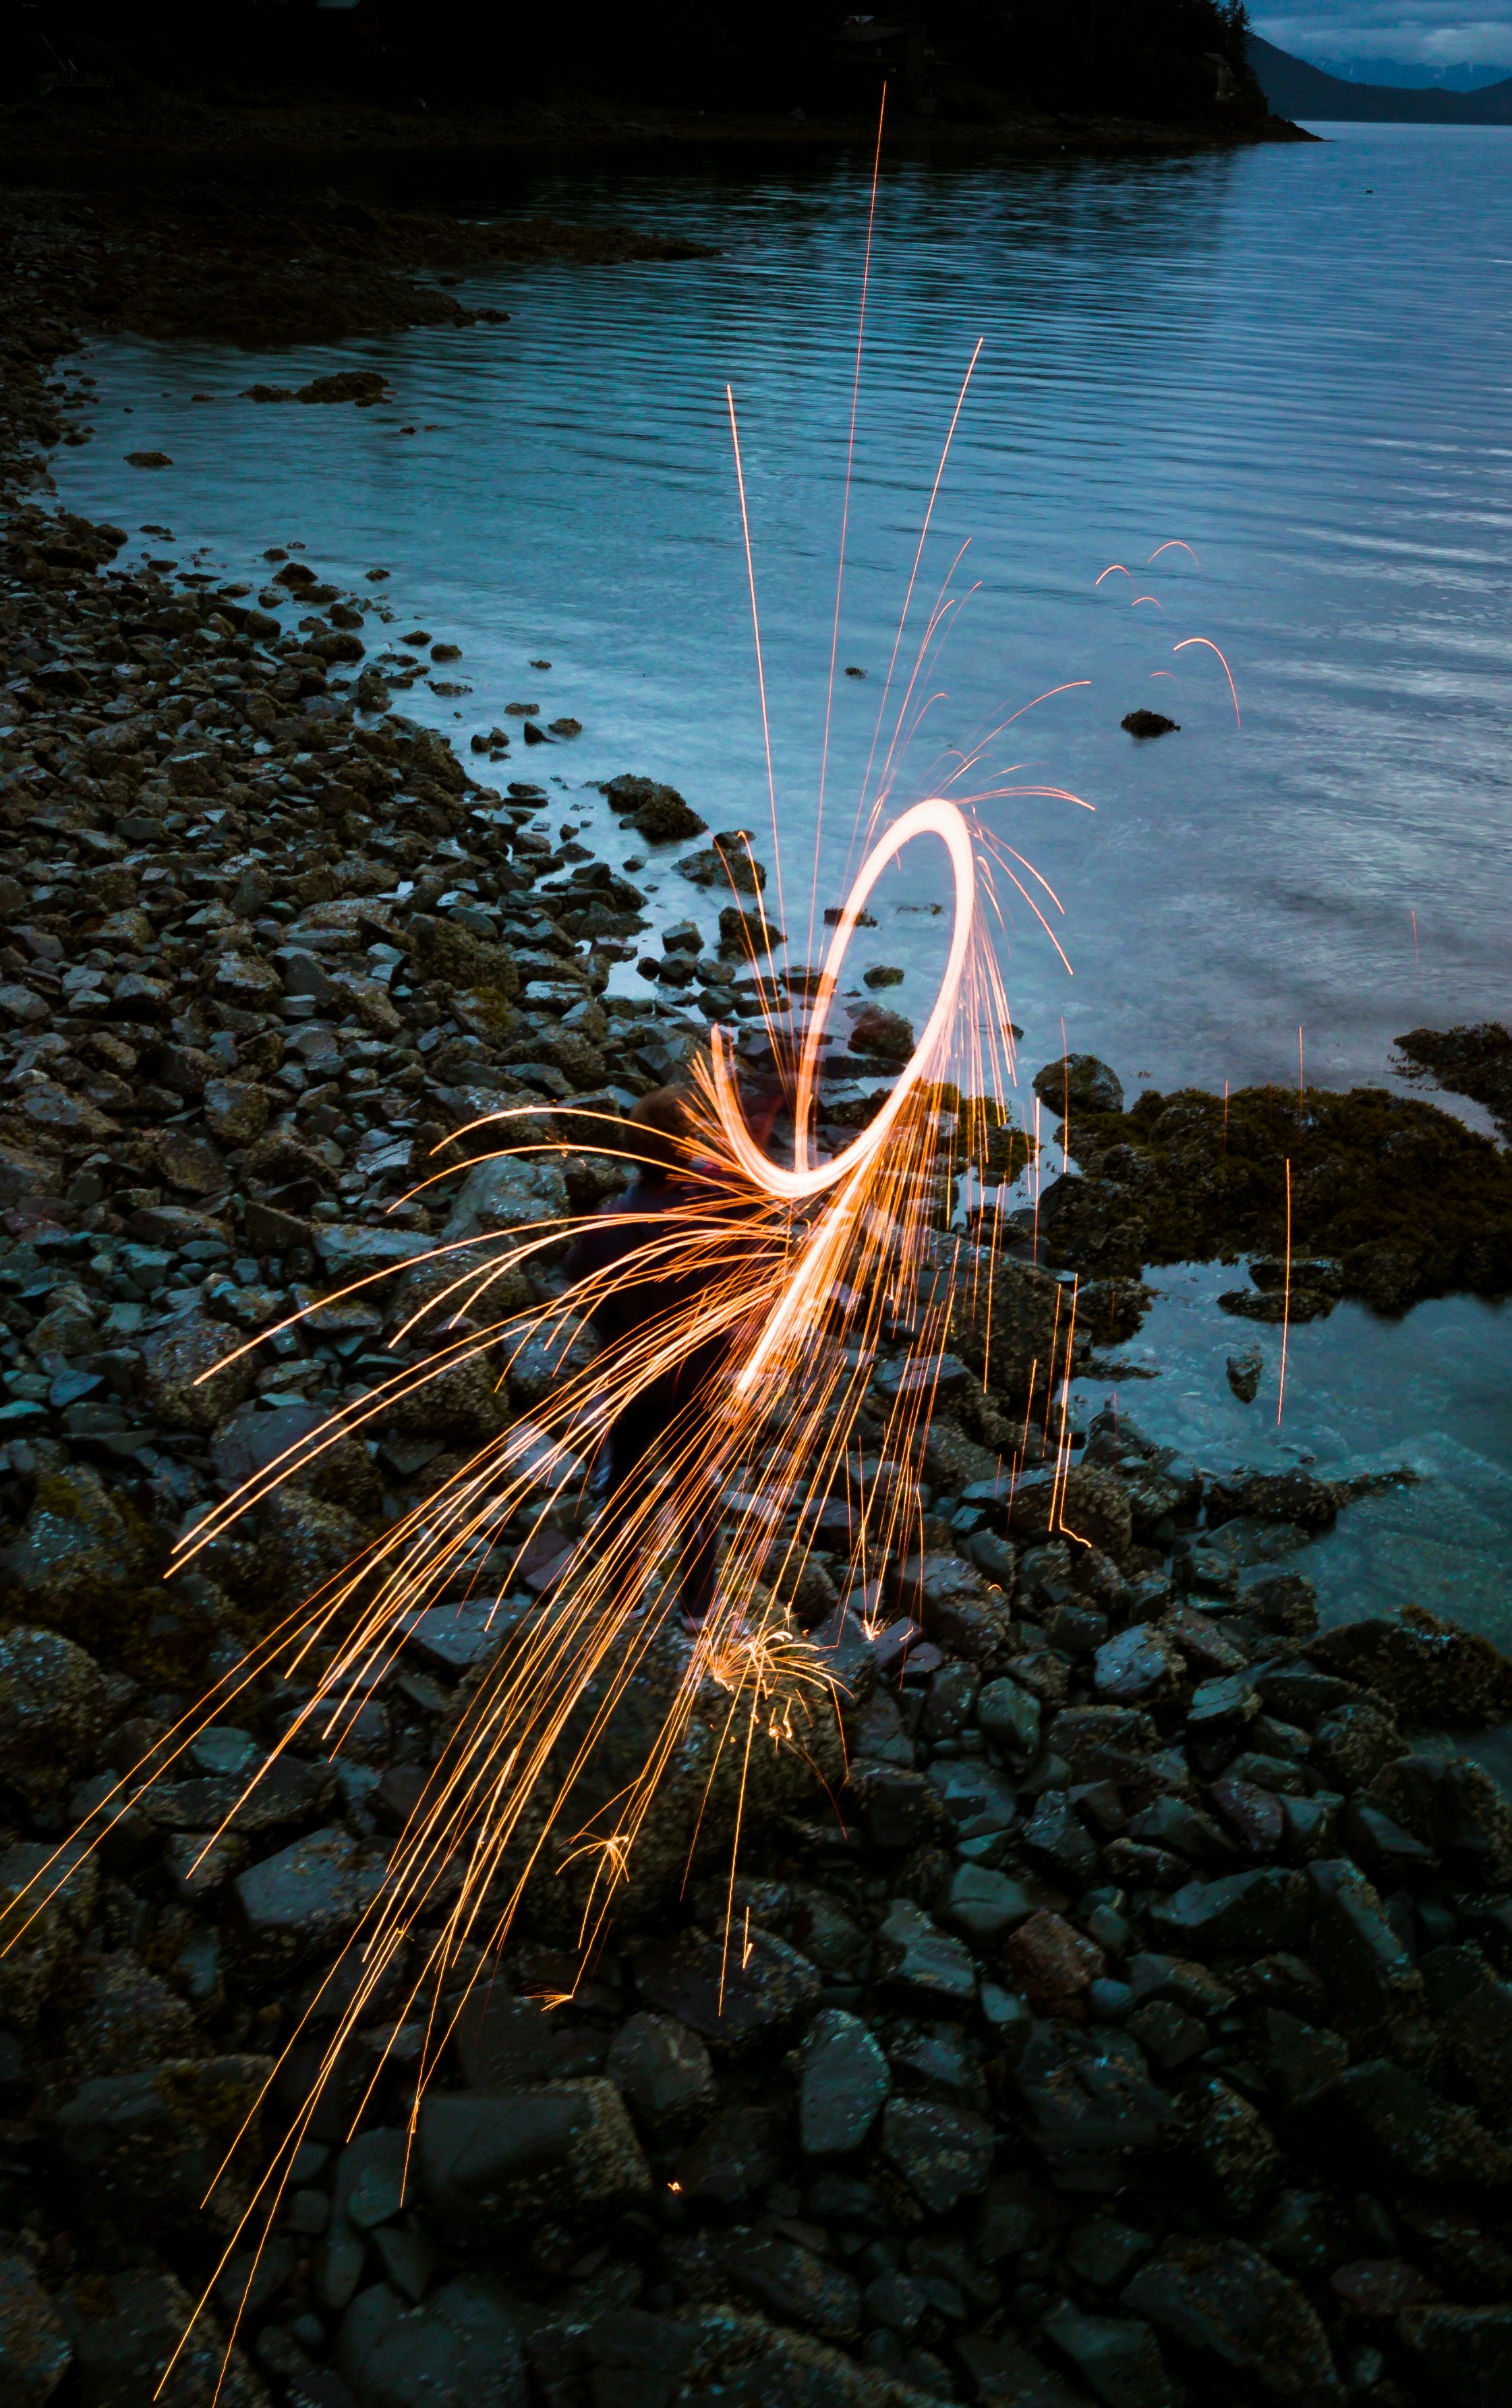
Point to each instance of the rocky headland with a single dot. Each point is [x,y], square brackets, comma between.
[1128,2018]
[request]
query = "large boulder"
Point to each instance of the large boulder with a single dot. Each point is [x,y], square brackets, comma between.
[128,2326]
[144,2150]
[507,1192]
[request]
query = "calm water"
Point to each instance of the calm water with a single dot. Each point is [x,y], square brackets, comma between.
[1296,361]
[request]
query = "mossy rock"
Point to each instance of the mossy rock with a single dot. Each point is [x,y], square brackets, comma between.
[1407,1199]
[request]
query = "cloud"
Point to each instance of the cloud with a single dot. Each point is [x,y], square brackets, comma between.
[1430,34]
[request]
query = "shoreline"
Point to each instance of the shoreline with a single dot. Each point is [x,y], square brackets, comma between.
[192,130]
[1131,2013]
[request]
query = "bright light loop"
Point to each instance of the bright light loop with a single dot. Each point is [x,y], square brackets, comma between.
[807,1179]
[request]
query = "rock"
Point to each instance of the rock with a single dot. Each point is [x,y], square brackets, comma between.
[176,1359]
[920,1965]
[131,2020]
[1118,2356]
[975,1797]
[1274,1496]
[1096,1506]
[127,2326]
[1372,1979]
[875,1030]
[189,1162]
[1142,1666]
[1232,2143]
[729,2002]
[985,1905]
[797,2288]
[1463,2354]
[492,2167]
[308,1898]
[1008,1717]
[1382,2117]
[235,1110]
[72,1552]
[1058,1842]
[1088,1084]
[35,2352]
[1239,1914]
[1243,1371]
[1051,1963]
[943,2154]
[511,1193]
[734,2156]
[842,2084]
[1434,1673]
[1091,2106]
[1223,2300]
[143,2151]
[53,1696]
[1145,723]
[460,2349]
[47,1897]
[662,2070]
[1351,1745]
[658,813]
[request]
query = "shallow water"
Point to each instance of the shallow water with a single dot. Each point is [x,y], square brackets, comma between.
[1293,360]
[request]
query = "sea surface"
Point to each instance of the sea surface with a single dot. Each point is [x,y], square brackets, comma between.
[1289,365]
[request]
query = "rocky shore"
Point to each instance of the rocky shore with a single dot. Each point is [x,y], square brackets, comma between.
[1129,2020]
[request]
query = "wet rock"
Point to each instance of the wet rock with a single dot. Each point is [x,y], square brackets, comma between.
[658,813]
[1274,1497]
[943,2154]
[1142,1666]
[1221,2299]
[53,1696]
[842,2084]
[460,2349]
[1231,2140]
[490,2166]
[1082,1079]
[1463,2354]
[143,2150]
[127,2326]
[1243,1371]
[35,2352]
[1432,1673]
[1145,723]
[662,2070]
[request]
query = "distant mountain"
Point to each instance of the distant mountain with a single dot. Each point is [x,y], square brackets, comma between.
[1294,88]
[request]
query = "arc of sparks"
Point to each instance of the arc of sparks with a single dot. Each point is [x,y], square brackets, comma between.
[1175,544]
[1227,671]
[1114,569]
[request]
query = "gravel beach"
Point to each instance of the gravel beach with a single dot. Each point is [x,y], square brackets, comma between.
[1128,2020]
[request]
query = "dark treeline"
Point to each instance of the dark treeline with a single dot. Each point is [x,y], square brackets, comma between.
[958,60]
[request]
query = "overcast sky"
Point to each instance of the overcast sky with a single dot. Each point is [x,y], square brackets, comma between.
[1432,34]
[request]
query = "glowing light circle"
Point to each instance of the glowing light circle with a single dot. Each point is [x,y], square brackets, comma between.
[936,817]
